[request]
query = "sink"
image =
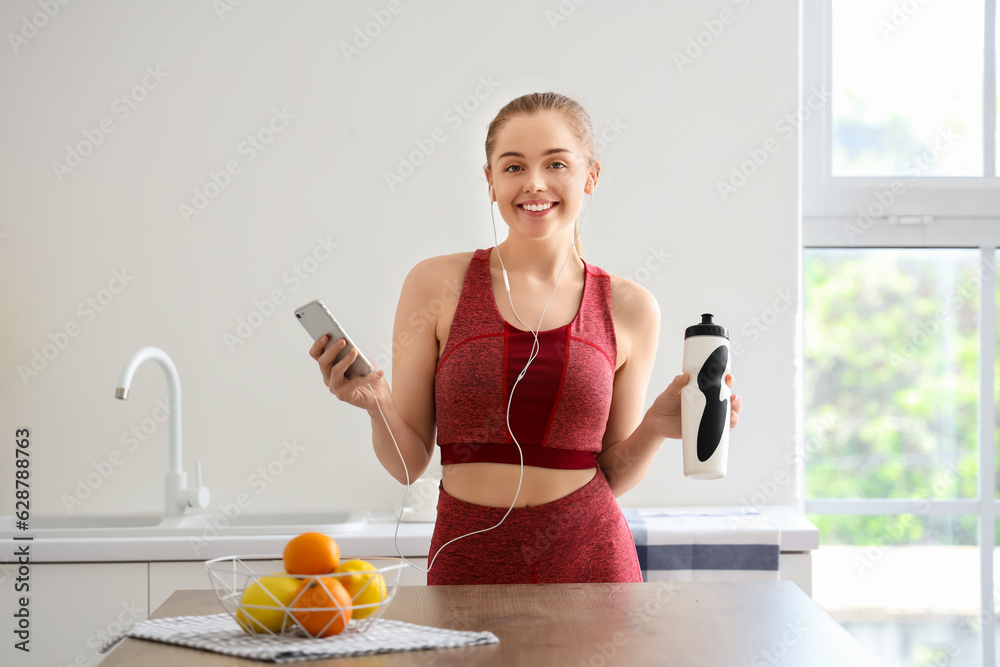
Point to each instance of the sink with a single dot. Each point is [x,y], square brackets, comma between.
[294,519]
[205,524]
[86,522]
[286,523]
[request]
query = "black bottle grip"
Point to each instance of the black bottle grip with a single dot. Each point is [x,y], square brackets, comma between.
[716,414]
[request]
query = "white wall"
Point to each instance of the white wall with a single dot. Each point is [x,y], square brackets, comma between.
[680,130]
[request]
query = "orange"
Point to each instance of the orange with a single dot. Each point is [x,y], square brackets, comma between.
[311,553]
[322,607]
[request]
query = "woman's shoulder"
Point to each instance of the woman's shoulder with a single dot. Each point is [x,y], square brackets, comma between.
[442,266]
[440,263]
[636,315]
[632,304]
[441,273]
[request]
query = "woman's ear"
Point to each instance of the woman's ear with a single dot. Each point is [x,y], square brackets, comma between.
[591,185]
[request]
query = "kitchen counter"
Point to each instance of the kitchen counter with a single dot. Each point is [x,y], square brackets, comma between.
[663,624]
[374,538]
[87,582]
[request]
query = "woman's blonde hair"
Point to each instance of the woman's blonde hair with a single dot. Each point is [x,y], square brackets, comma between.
[533,103]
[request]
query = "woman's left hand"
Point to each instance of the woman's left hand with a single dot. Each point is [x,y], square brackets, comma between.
[735,404]
[667,406]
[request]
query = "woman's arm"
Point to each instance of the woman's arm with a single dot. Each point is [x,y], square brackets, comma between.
[632,438]
[410,410]
[409,406]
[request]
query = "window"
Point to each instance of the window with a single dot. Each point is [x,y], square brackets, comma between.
[892,370]
[901,203]
[892,433]
[898,107]
[909,123]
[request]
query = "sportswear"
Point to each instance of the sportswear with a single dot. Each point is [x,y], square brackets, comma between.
[560,408]
[581,537]
[559,414]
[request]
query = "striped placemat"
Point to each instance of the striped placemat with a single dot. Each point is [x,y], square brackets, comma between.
[221,634]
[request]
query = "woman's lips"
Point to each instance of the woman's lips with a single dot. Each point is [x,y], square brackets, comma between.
[538,214]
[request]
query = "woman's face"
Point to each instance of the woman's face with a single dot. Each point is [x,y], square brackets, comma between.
[539,173]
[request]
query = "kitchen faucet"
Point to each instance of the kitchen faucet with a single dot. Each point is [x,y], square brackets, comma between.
[179,496]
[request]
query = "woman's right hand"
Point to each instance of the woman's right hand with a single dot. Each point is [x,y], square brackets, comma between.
[352,390]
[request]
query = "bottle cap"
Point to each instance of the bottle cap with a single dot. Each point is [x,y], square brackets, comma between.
[707,328]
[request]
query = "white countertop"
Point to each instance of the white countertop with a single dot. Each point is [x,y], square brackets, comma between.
[373,539]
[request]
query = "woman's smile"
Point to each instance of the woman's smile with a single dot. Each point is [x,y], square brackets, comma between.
[536,208]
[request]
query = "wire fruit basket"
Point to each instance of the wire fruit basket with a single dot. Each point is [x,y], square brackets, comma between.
[278,607]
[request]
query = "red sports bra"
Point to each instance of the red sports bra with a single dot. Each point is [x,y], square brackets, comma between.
[560,408]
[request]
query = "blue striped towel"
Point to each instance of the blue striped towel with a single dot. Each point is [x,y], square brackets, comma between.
[687,545]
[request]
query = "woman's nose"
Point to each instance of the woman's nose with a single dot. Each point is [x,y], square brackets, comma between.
[535,181]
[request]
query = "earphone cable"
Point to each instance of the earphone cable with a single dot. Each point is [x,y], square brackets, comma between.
[520,452]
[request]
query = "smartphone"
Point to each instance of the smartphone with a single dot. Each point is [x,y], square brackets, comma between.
[319,321]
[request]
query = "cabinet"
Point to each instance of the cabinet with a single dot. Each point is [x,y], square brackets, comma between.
[167,577]
[74,606]
[413,576]
[72,609]
[797,568]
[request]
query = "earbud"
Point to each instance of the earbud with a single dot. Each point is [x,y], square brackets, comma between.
[493,194]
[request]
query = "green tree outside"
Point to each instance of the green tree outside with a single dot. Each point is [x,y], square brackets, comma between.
[891,388]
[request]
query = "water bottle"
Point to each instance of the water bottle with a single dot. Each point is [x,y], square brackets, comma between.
[705,400]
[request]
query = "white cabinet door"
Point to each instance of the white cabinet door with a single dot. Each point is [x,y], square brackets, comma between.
[412,576]
[72,609]
[169,576]
[797,567]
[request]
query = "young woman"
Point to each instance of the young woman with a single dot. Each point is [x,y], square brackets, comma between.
[574,417]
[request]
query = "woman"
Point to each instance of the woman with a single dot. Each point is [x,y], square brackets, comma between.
[574,416]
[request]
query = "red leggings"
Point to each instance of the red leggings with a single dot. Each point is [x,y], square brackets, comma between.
[582,537]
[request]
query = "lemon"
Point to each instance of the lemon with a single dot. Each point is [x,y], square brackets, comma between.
[264,603]
[365,585]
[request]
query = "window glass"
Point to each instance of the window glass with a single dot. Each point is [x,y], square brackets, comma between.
[907,598]
[994,623]
[891,373]
[907,88]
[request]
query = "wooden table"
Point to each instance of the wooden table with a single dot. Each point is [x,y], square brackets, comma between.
[768,624]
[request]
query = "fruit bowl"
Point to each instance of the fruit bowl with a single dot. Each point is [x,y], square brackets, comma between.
[281,603]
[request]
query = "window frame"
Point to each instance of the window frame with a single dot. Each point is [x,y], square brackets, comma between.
[986,507]
[929,212]
[828,196]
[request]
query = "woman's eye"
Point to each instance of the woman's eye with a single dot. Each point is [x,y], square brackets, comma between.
[558,164]
[513,167]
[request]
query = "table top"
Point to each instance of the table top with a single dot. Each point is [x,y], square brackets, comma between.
[663,624]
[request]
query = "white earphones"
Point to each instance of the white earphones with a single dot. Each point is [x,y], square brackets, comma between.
[531,357]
